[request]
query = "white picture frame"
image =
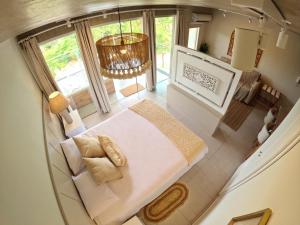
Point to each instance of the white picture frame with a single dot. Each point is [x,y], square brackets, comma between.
[216,94]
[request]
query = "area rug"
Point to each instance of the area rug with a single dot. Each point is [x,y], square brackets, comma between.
[166,203]
[131,89]
[236,114]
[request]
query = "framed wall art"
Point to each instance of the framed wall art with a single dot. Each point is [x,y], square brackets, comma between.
[257,218]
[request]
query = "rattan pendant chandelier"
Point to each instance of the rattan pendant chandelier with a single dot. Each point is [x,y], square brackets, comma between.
[124,55]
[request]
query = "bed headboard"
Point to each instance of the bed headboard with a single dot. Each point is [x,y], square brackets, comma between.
[68,199]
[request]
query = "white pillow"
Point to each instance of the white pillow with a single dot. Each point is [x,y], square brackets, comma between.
[96,198]
[73,156]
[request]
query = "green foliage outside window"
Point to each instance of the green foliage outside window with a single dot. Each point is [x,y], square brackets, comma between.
[114,28]
[61,51]
[164,31]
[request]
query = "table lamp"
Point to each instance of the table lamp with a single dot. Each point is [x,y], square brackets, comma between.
[58,104]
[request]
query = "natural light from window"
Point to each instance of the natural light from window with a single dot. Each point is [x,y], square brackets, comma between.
[193,37]
[164,27]
[64,61]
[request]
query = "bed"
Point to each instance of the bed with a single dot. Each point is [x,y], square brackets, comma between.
[155,160]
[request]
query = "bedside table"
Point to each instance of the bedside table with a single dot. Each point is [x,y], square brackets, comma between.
[76,127]
[133,221]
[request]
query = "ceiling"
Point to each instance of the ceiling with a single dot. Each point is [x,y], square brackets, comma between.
[18,16]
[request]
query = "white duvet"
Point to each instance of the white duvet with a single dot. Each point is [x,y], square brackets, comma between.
[154,163]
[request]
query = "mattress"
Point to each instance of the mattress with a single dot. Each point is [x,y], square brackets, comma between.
[154,163]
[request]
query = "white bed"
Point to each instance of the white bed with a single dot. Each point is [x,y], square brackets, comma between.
[154,163]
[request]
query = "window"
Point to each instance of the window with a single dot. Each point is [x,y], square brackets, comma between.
[114,28]
[164,27]
[193,38]
[63,58]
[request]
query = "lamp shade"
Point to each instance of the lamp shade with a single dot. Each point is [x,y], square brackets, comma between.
[58,102]
[124,55]
[282,39]
[244,49]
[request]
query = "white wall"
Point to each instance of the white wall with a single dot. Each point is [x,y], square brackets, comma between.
[279,67]
[26,194]
[276,188]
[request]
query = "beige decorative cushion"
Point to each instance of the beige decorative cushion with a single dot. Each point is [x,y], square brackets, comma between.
[89,146]
[102,170]
[113,151]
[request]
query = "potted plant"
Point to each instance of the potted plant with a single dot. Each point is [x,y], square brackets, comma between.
[204,48]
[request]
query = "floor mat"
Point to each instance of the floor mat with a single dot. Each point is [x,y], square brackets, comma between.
[166,203]
[236,114]
[131,89]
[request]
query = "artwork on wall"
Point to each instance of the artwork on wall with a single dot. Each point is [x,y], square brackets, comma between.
[257,218]
[230,46]
[200,77]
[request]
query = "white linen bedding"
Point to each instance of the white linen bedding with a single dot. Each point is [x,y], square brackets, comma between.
[154,163]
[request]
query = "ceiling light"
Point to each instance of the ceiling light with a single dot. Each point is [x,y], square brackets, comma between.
[224,14]
[123,55]
[69,24]
[261,21]
[282,38]
[249,20]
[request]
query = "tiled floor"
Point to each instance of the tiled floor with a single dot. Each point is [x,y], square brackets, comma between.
[116,97]
[227,150]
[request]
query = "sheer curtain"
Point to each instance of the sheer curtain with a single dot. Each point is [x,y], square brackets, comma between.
[38,66]
[90,59]
[149,29]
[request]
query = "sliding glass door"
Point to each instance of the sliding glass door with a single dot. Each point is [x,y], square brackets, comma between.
[120,88]
[164,31]
[65,63]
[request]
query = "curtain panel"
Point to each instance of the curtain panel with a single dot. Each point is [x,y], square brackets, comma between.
[181,33]
[92,66]
[149,29]
[38,66]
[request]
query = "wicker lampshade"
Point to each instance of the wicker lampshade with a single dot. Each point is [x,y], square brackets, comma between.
[123,56]
[58,102]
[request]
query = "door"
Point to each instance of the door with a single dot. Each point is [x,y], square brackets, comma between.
[164,39]
[63,58]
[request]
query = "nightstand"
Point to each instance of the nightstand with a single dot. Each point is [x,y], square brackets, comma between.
[76,127]
[133,221]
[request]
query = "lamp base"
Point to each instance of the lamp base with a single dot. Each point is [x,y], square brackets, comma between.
[65,114]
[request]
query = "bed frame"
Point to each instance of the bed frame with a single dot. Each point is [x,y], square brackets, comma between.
[68,199]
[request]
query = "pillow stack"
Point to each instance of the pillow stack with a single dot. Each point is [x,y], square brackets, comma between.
[102,157]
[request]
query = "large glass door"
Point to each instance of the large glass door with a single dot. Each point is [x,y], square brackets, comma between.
[118,89]
[66,66]
[164,31]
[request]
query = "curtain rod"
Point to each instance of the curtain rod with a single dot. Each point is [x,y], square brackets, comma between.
[91,17]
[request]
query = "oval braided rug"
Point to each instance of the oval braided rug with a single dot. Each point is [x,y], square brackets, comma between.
[166,203]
